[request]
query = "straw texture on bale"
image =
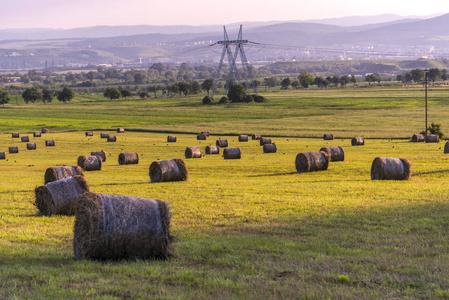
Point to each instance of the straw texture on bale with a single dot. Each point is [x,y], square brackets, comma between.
[417,138]
[15,134]
[121,227]
[50,143]
[243,138]
[45,130]
[256,136]
[446,148]
[2,155]
[89,133]
[58,173]
[25,139]
[168,170]
[431,138]
[101,153]
[193,152]
[311,161]
[128,158]
[89,162]
[60,197]
[264,141]
[357,141]
[269,148]
[387,168]
[212,150]
[120,130]
[37,134]
[328,137]
[171,139]
[232,153]
[336,153]
[112,138]
[221,143]
[13,149]
[201,137]
[31,146]
[206,133]
[104,135]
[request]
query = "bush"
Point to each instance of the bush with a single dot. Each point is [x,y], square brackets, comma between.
[224,100]
[207,100]
[259,99]
[249,99]
[435,129]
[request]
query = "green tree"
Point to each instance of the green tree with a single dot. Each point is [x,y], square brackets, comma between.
[417,75]
[207,85]
[112,93]
[184,88]
[434,74]
[444,75]
[353,79]
[32,95]
[47,95]
[65,95]
[295,84]
[335,80]
[306,79]
[344,80]
[126,93]
[143,95]
[237,93]
[285,83]
[4,97]
[195,87]
[90,75]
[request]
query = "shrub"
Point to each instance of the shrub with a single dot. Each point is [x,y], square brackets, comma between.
[435,129]
[259,99]
[249,99]
[224,100]
[207,100]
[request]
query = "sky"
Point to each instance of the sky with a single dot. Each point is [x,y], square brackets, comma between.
[66,14]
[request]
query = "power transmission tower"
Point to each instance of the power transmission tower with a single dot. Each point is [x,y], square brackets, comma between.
[233,70]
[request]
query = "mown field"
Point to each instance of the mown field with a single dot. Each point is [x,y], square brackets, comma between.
[249,228]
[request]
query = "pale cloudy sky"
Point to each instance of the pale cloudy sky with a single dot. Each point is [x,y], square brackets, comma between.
[84,13]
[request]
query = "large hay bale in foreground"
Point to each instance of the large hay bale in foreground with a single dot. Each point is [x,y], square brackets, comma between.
[357,141]
[112,138]
[89,133]
[335,153]
[212,150]
[168,170]
[387,168]
[446,147]
[222,143]
[201,137]
[60,197]
[232,153]
[328,137]
[121,227]
[104,135]
[49,143]
[311,161]
[432,138]
[89,162]
[269,148]
[171,139]
[243,138]
[128,158]
[2,155]
[13,149]
[37,134]
[264,141]
[31,146]
[58,173]
[256,136]
[45,130]
[417,138]
[25,139]
[120,130]
[101,153]
[193,152]
[15,135]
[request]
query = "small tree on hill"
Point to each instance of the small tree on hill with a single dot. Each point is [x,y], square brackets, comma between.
[112,93]
[126,93]
[31,95]
[66,94]
[47,95]
[237,93]
[4,97]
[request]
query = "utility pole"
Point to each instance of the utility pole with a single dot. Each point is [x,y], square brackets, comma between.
[425,82]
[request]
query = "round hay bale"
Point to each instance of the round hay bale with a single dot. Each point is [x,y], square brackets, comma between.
[432,138]
[387,168]
[2,155]
[222,143]
[417,138]
[357,141]
[264,141]
[336,153]
[60,197]
[112,138]
[89,162]
[58,173]
[171,139]
[232,153]
[255,136]
[121,227]
[31,146]
[243,138]
[212,150]
[13,149]
[206,133]
[193,152]
[201,137]
[446,148]
[50,143]
[311,161]
[25,139]
[89,133]
[168,170]
[104,135]
[328,137]
[15,135]
[269,148]
[101,153]
[120,130]
[37,134]
[128,158]
[45,130]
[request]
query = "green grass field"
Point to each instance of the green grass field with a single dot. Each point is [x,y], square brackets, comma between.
[250,228]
